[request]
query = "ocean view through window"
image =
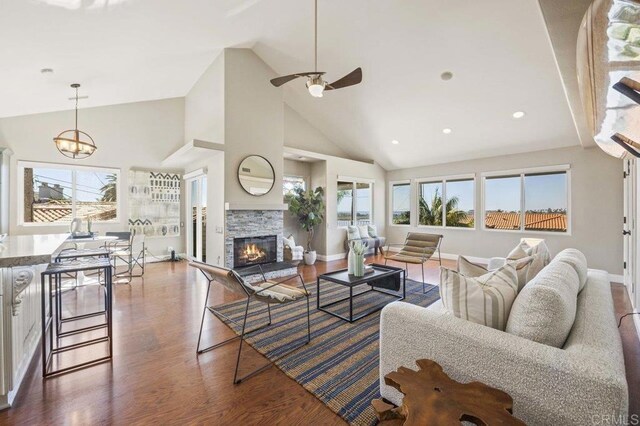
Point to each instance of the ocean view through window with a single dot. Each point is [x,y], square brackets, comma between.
[354,203]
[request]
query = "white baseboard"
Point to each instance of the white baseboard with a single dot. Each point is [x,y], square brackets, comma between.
[330,257]
[615,278]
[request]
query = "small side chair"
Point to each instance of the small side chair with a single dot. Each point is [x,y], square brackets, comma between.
[418,248]
[266,291]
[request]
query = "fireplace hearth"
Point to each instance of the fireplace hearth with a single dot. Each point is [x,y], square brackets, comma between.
[249,251]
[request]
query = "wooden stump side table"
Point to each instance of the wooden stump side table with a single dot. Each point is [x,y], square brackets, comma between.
[432,398]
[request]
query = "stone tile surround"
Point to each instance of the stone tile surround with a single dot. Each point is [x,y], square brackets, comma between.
[252,223]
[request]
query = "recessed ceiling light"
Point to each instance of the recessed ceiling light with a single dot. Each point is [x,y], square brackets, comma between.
[518,114]
[395,142]
[46,70]
[447,75]
[446,131]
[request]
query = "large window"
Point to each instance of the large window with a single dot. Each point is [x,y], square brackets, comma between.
[355,203]
[446,202]
[401,203]
[527,201]
[56,194]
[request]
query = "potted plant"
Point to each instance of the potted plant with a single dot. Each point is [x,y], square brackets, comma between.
[308,208]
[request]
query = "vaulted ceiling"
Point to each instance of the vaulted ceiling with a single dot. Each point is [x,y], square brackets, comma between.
[132,50]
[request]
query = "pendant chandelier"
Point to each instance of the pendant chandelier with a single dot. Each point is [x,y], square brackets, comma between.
[75,143]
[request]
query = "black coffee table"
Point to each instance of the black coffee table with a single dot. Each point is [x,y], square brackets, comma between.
[379,280]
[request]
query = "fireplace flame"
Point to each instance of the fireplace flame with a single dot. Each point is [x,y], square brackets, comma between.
[253,253]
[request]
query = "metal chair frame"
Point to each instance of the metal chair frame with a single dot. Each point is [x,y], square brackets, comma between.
[130,259]
[425,258]
[250,295]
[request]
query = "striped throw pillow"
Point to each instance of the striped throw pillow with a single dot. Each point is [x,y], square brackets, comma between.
[485,300]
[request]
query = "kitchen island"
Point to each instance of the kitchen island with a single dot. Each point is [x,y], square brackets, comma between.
[22,260]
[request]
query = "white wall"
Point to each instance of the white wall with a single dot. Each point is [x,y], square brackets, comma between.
[595,214]
[299,133]
[137,135]
[204,105]
[254,123]
[204,120]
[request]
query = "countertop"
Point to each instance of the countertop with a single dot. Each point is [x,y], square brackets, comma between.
[22,250]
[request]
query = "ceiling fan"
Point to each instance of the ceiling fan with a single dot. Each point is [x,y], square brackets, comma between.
[315,83]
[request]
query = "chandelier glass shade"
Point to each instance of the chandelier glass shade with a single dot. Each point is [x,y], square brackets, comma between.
[75,143]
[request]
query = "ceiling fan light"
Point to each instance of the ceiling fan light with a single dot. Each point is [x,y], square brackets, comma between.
[316,90]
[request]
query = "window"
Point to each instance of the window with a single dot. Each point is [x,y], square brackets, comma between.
[57,194]
[528,201]
[290,185]
[401,203]
[430,203]
[355,203]
[447,202]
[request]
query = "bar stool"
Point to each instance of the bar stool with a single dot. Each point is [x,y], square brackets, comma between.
[52,319]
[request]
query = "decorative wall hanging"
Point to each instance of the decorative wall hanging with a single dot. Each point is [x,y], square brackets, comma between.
[154,203]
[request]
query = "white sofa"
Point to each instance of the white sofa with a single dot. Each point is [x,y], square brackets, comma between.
[581,383]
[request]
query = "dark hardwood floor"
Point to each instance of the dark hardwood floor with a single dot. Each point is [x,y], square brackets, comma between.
[156,377]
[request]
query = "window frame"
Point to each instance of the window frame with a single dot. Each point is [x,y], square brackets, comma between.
[411,203]
[560,168]
[24,164]
[442,180]
[354,213]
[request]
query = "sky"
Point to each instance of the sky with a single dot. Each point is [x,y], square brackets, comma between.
[88,182]
[541,192]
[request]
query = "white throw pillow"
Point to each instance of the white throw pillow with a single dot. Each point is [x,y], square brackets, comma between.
[523,266]
[364,232]
[470,269]
[353,233]
[485,300]
[289,242]
[537,265]
[538,247]
[545,309]
[373,231]
[519,252]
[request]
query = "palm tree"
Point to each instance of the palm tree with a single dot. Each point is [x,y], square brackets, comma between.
[109,189]
[433,215]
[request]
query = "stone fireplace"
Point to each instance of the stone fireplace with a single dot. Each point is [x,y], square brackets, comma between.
[254,237]
[255,250]
[252,224]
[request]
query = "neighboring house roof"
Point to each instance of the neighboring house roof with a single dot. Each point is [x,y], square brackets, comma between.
[532,221]
[60,211]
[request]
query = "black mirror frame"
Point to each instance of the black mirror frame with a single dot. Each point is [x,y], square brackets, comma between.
[273,172]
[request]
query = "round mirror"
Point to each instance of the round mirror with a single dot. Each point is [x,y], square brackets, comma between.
[256,175]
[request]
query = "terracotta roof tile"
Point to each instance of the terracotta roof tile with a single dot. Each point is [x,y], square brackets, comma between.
[532,221]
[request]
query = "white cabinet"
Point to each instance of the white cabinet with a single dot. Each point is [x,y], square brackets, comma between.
[20,334]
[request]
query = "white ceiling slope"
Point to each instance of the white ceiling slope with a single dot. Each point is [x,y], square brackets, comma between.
[133,50]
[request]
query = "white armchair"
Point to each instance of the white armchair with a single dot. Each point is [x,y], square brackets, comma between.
[292,252]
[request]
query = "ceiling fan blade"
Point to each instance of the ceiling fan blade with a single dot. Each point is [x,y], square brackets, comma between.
[279,81]
[354,77]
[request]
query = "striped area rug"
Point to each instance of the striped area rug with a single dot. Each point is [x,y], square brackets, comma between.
[340,365]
